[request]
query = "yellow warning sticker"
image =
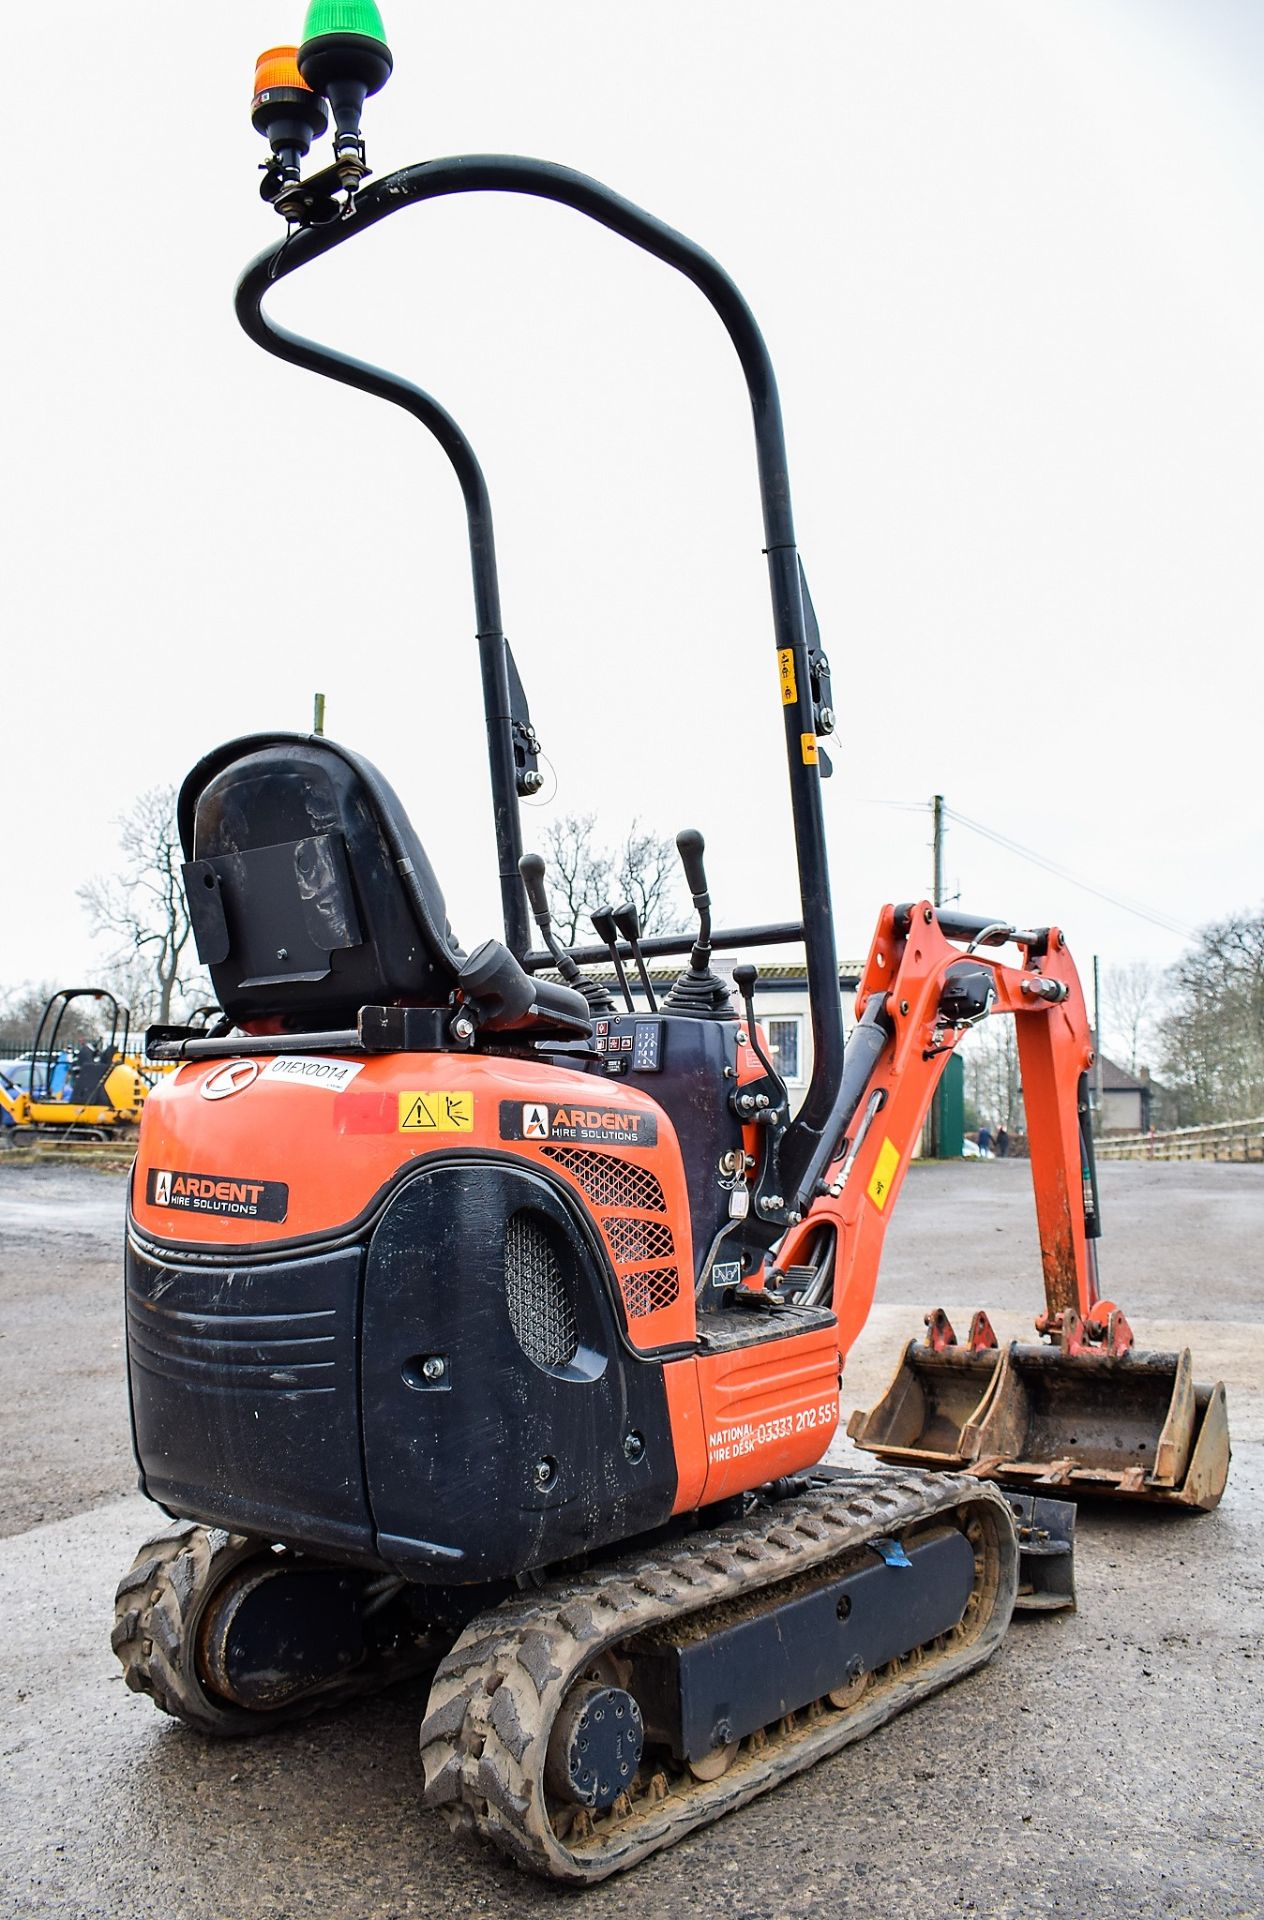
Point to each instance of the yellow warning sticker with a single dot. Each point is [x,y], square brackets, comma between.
[436,1113]
[785,667]
[879,1186]
[808,743]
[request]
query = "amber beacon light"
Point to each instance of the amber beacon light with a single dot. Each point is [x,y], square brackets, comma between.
[286,111]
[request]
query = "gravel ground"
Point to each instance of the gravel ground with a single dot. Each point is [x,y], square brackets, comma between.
[65,1443]
[1104,1764]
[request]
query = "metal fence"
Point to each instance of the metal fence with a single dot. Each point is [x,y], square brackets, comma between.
[1227,1140]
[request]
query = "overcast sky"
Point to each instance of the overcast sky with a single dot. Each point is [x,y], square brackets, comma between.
[1008,260]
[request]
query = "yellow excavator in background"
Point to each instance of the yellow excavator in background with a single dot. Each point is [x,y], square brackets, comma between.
[90,1089]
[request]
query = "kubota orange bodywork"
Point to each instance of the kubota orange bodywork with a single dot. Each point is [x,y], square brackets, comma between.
[290,1151]
[335,1136]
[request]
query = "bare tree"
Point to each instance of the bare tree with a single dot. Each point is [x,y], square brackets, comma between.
[990,1056]
[579,874]
[22,1006]
[1213,1035]
[142,910]
[583,874]
[1131,999]
[649,876]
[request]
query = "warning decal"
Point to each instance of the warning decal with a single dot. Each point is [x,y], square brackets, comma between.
[785,667]
[809,749]
[436,1113]
[594,1126]
[879,1187]
[217,1193]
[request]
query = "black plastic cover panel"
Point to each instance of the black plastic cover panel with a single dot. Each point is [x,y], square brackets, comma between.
[245,1404]
[534,1433]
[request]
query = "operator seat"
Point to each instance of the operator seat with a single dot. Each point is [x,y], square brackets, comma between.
[311,896]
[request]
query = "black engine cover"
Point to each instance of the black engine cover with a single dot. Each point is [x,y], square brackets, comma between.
[449,1395]
[534,1433]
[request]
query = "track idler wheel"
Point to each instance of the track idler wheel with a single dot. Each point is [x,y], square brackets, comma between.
[232,1636]
[159,1609]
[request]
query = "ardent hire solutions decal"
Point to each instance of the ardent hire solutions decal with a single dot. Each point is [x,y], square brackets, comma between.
[593,1126]
[218,1193]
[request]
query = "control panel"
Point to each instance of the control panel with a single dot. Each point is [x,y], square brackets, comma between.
[695,1064]
[629,1043]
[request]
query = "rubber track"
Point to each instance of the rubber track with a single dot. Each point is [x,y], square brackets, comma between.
[496,1695]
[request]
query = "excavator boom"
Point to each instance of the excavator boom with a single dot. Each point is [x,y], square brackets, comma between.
[1080,1410]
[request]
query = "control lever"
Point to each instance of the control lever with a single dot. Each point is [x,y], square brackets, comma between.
[744,978]
[765,1105]
[605,929]
[691,846]
[698,991]
[629,925]
[531,867]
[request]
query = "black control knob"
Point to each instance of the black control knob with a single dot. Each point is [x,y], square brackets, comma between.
[691,846]
[744,978]
[531,867]
[698,991]
[605,929]
[627,920]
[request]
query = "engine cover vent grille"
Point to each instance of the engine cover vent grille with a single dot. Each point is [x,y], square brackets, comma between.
[648,1290]
[634,1240]
[540,1308]
[610,1182]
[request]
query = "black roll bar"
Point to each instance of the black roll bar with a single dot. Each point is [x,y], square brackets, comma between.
[55,1010]
[501,173]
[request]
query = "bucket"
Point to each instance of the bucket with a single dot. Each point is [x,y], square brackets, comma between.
[1039,1418]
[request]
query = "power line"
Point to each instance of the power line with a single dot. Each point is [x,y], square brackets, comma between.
[1156,919]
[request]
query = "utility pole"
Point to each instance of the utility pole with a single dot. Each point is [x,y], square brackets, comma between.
[318,714]
[936,1129]
[1097,1043]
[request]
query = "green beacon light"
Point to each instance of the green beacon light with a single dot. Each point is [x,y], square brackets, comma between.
[344,56]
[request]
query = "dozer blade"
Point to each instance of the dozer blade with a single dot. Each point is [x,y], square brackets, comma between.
[1037,1417]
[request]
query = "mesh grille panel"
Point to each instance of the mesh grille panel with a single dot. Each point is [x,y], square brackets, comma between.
[638,1239]
[646,1292]
[540,1309]
[609,1182]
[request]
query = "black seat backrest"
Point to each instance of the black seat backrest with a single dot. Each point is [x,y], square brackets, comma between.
[309,892]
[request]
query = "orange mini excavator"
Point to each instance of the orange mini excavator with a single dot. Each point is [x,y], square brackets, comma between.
[482,1325]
